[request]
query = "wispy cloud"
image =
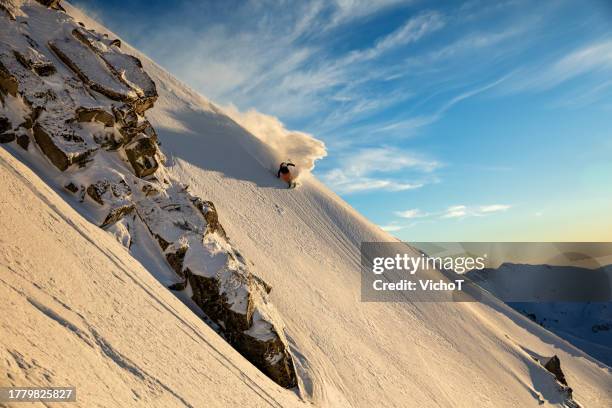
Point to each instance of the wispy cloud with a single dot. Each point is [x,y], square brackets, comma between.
[486,209]
[463,211]
[348,10]
[424,120]
[412,213]
[455,211]
[590,58]
[345,183]
[374,168]
[411,31]
[391,227]
[278,62]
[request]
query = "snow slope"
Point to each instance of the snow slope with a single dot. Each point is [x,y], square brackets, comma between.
[305,243]
[78,310]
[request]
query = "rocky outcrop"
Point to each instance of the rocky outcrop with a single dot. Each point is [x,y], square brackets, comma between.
[127,67]
[554,366]
[600,327]
[91,70]
[62,158]
[142,154]
[23,141]
[92,114]
[7,137]
[248,330]
[113,194]
[36,61]
[105,191]
[117,213]
[55,4]
[51,111]
[209,212]
[86,115]
[194,243]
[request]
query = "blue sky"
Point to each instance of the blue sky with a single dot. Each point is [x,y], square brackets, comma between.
[474,120]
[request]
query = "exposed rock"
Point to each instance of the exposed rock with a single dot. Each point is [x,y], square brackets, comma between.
[71,187]
[14,78]
[34,60]
[91,69]
[59,157]
[175,255]
[253,336]
[8,82]
[114,193]
[52,110]
[601,327]
[212,299]
[209,212]
[263,284]
[7,137]
[50,3]
[141,154]
[96,191]
[125,115]
[27,123]
[109,139]
[5,124]
[140,126]
[270,356]
[105,191]
[117,213]
[127,67]
[179,286]
[554,366]
[87,114]
[222,286]
[23,141]
[149,190]
[162,242]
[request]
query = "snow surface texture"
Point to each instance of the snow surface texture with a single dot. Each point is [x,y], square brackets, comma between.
[305,243]
[78,309]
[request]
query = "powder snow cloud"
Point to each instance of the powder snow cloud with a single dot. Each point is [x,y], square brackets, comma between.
[300,148]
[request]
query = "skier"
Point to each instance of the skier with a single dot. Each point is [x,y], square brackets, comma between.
[285,174]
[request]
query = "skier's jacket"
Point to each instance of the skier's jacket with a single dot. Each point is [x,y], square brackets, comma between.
[284,173]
